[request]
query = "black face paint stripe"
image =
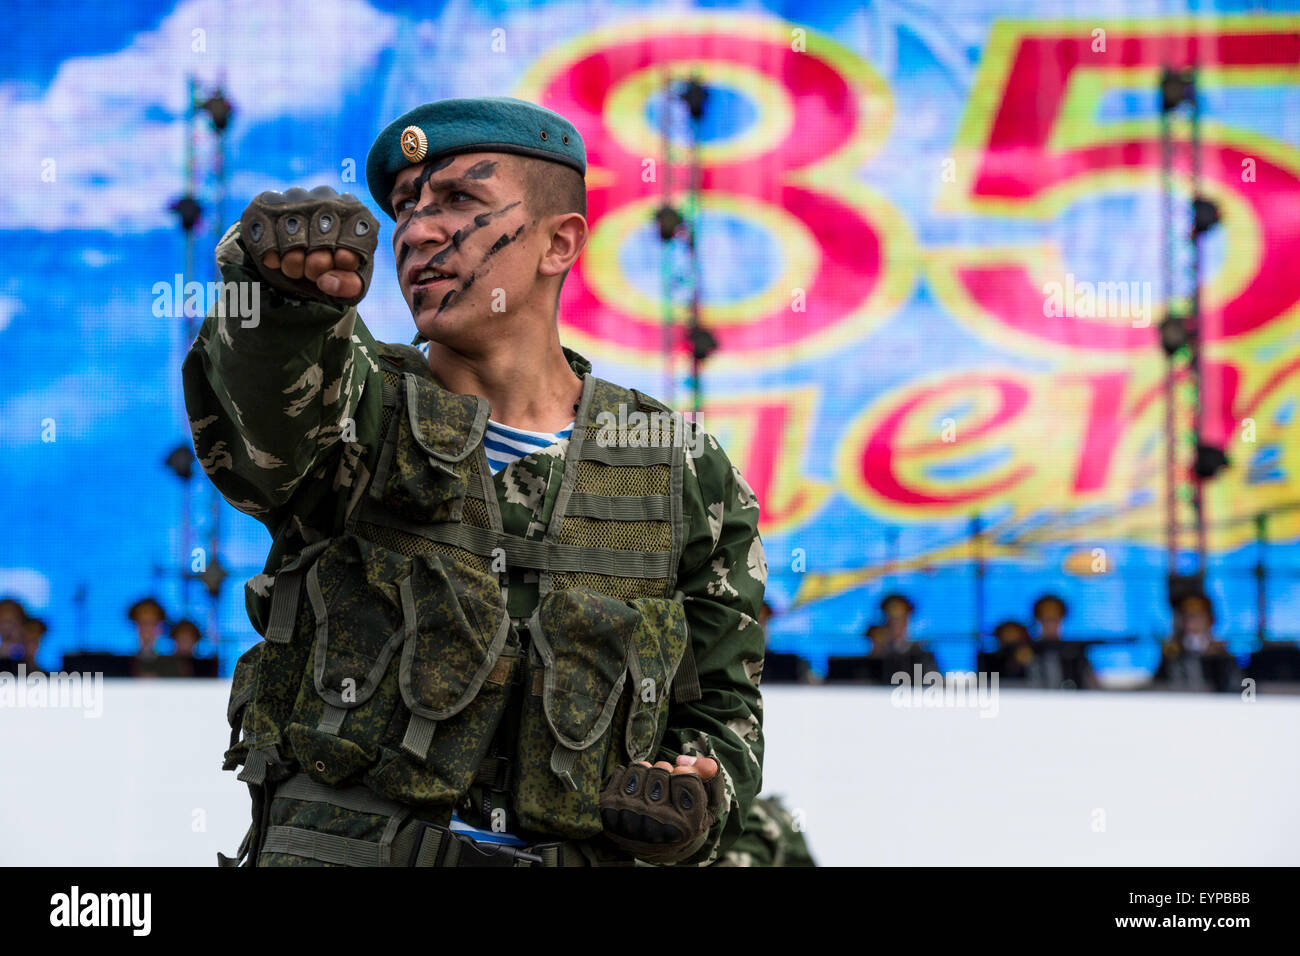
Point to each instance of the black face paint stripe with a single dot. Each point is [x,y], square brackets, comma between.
[416,185]
[447,299]
[459,236]
[482,169]
[501,243]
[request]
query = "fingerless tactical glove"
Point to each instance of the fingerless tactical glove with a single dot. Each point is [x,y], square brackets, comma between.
[298,219]
[657,816]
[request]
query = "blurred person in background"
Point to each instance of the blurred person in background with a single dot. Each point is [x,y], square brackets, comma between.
[148,616]
[1057,664]
[892,643]
[1194,658]
[185,635]
[1014,654]
[12,616]
[33,632]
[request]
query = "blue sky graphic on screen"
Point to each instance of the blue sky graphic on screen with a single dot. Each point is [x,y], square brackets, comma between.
[904,238]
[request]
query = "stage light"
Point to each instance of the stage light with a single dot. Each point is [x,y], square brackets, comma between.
[1173,334]
[1176,88]
[181,462]
[703,342]
[219,110]
[189,211]
[1210,460]
[1205,215]
[669,221]
[695,96]
[213,575]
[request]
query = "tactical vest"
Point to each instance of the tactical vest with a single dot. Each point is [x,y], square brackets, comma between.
[390,653]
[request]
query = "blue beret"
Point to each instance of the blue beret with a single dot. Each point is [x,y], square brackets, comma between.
[486,124]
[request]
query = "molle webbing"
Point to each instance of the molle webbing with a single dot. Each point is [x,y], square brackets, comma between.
[532,553]
[617,526]
[284,596]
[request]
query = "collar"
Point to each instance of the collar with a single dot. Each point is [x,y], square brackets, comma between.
[577,362]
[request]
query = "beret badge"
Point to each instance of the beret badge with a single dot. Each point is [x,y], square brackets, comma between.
[414,144]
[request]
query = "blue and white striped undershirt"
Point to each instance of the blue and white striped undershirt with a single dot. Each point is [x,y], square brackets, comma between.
[504,444]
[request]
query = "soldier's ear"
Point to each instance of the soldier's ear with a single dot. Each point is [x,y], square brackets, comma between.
[568,238]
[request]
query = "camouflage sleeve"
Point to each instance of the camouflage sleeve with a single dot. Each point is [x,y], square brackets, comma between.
[722,574]
[275,391]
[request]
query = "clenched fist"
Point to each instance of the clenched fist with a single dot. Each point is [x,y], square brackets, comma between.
[312,245]
[662,814]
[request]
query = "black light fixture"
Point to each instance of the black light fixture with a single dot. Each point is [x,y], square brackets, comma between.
[669,221]
[1176,88]
[181,462]
[1205,215]
[213,575]
[1173,333]
[694,95]
[703,342]
[219,110]
[1210,460]
[189,211]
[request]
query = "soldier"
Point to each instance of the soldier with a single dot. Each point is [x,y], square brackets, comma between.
[892,643]
[1194,658]
[1014,655]
[510,609]
[1057,664]
[12,617]
[773,837]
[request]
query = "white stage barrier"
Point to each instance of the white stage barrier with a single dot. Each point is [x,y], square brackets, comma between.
[1100,778]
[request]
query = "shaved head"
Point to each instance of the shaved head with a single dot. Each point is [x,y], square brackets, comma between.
[551,189]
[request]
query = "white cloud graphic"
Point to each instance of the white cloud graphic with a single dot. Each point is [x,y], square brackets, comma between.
[114,124]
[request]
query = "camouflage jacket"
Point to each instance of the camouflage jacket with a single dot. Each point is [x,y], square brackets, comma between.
[285,415]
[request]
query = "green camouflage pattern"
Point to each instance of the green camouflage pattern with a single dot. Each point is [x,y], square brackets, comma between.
[426,478]
[772,837]
[583,638]
[393,636]
[657,647]
[243,686]
[542,802]
[581,646]
[321,818]
[286,418]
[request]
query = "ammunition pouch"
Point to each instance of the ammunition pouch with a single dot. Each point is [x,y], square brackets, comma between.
[423,471]
[584,646]
[398,696]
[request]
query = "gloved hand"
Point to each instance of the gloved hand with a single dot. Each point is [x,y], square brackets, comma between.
[312,245]
[659,816]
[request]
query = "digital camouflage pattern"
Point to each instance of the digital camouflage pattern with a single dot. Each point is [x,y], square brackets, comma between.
[771,838]
[286,418]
